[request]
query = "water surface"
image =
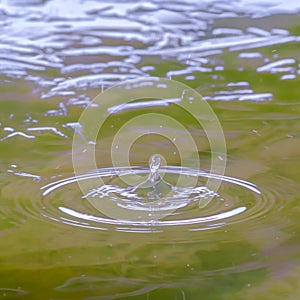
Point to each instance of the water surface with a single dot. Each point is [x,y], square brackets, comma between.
[243,57]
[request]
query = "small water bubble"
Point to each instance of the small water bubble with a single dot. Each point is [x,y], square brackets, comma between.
[219,68]
[147,68]
[288,77]
[190,77]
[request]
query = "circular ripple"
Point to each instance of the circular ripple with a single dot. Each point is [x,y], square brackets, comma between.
[237,201]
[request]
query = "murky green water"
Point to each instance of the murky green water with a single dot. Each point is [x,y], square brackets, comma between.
[242,56]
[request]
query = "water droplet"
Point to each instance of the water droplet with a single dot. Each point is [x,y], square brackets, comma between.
[154,167]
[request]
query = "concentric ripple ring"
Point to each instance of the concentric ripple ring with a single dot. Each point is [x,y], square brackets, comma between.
[220,212]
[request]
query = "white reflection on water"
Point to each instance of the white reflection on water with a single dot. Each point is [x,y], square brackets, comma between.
[91,45]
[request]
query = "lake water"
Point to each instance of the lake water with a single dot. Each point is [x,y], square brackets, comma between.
[243,57]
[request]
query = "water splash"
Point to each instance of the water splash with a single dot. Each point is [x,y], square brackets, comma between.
[222,211]
[154,169]
[154,187]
